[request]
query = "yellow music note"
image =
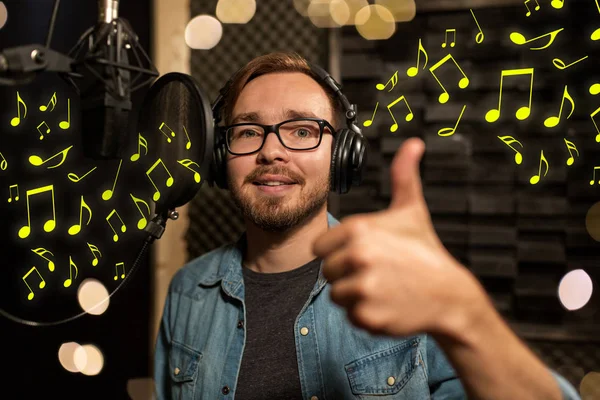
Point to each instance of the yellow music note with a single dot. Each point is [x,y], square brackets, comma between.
[560,64]
[166,134]
[143,221]
[40,251]
[141,143]
[414,71]
[186,163]
[369,122]
[52,101]
[551,122]
[453,42]
[536,178]
[558,4]
[48,225]
[507,141]
[595,35]
[571,146]
[123,227]
[188,145]
[169,181]
[74,178]
[47,129]
[537,7]
[10,196]
[523,112]
[480,36]
[42,284]
[66,124]
[117,270]
[450,131]
[17,120]
[76,228]
[393,80]
[594,121]
[3,163]
[37,160]
[71,279]
[594,176]
[463,83]
[94,250]
[594,90]
[519,39]
[107,194]
[409,115]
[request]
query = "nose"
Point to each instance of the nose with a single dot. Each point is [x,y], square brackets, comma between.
[273,149]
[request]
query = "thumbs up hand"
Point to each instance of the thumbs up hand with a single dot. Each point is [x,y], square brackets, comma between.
[390,270]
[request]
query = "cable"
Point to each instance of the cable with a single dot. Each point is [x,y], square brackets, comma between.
[155,227]
[52,21]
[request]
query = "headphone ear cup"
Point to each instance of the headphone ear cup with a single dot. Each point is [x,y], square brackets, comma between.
[222,166]
[336,160]
[357,159]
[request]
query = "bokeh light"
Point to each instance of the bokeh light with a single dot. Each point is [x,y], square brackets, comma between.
[93,296]
[353,6]
[589,388]
[203,32]
[402,10]
[319,13]
[88,360]
[140,388]
[592,222]
[235,11]
[339,11]
[66,356]
[575,289]
[3,14]
[375,22]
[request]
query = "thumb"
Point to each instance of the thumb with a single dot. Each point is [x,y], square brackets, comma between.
[406,185]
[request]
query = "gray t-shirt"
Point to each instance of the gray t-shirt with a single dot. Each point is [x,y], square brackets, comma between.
[269,367]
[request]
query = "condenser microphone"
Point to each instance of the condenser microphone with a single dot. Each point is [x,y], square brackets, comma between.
[108,58]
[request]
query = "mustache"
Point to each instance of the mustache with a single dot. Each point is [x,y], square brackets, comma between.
[277,171]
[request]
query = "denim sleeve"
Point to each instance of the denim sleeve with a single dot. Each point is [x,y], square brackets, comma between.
[161,355]
[442,379]
[568,391]
[445,384]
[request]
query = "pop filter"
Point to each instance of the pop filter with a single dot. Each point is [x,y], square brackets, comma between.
[175,139]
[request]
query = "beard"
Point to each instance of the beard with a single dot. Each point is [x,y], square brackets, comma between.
[279,214]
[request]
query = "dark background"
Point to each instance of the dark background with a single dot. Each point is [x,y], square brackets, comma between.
[30,354]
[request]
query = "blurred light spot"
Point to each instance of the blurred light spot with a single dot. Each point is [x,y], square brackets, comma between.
[80,358]
[236,11]
[353,7]
[3,14]
[589,388]
[203,32]
[575,289]
[319,12]
[93,296]
[302,7]
[339,11]
[592,222]
[89,360]
[66,356]
[402,10]
[140,388]
[375,22]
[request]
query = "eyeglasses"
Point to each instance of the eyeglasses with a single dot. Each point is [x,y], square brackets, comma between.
[294,134]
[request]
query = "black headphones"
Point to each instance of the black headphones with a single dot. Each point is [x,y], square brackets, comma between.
[349,156]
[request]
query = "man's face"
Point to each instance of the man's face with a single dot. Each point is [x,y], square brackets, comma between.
[274,98]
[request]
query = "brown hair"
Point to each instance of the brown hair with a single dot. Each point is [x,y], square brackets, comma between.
[277,62]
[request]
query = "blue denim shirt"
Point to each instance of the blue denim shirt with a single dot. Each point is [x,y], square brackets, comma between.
[201,342]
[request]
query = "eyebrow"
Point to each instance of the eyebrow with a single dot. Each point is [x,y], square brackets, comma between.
[288,114]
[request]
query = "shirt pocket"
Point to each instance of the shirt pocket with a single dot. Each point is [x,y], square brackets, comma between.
[385,372]
[183,365]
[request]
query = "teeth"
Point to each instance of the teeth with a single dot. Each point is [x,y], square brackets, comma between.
[273,183]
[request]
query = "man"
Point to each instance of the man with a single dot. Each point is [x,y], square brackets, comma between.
[305,307]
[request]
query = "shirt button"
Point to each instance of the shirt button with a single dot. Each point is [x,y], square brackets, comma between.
[177,370]
[225,389]
[240,324]
[391,381]
[304,331]
[314,398]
